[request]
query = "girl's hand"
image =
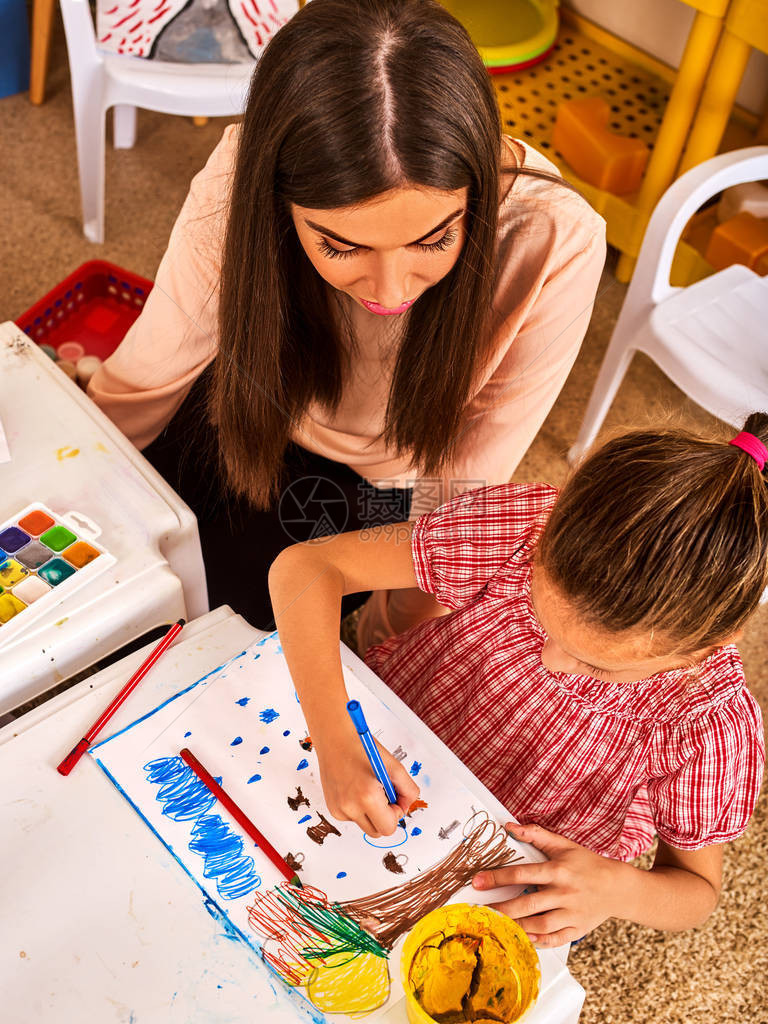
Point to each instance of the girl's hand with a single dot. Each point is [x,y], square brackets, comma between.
[575,888]
[353,793]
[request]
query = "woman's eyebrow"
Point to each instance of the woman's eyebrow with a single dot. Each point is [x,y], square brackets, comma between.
[355,245]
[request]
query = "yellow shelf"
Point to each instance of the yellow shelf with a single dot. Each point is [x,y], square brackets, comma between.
[637,88]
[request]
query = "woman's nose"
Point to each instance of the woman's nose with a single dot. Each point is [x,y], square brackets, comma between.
[391,281]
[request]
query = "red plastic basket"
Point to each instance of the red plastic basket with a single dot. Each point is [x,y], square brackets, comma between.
[95,305]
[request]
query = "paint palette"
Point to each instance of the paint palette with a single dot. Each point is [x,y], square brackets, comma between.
[44,557]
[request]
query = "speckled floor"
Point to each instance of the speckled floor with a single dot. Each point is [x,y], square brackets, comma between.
[713,975]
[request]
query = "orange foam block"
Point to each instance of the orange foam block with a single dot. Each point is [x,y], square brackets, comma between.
[741,239]
[612,162]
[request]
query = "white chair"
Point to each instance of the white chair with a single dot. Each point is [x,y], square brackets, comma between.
[102,80]
[710,338]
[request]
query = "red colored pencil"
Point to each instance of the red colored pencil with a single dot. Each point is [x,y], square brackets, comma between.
[239,815]
[80,748]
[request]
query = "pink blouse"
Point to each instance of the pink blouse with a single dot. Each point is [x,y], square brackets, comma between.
[550,253]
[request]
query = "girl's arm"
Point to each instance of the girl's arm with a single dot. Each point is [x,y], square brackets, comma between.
[576,889]
[306,584]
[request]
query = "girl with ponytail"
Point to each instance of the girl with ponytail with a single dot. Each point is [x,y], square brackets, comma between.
[587,672]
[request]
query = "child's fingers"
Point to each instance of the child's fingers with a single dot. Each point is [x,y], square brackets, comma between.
[384,817]
[516,874]
[406,788]
[531,905]
[548,842]
[539,926]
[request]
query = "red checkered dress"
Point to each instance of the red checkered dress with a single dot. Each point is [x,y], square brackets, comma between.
[606,764]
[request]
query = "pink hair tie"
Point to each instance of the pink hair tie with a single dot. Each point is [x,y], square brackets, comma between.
[752,446]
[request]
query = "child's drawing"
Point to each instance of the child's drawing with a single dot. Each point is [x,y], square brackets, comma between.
[333,939]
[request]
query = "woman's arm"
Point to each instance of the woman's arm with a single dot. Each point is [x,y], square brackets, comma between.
[306,584]
[576,889]
[145,380]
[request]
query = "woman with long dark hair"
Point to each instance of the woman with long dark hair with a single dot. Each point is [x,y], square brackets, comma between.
[369,302]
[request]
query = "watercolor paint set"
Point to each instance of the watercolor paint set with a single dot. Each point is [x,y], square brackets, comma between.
[44,558]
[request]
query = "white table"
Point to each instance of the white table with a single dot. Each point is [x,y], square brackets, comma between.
[66,454]
[98,921]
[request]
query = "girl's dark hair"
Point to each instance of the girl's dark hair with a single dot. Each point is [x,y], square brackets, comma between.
[666,532]
[348,101]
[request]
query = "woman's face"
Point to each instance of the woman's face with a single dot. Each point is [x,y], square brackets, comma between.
[385,252]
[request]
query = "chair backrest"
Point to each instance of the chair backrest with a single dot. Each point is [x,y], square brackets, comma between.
[678,204]
[81,37]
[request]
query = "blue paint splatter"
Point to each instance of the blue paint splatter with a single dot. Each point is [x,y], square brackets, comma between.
[187,734]
[243,701]
[415,831]
[234,873]
[415,768]
[302,764]
[268,715]
[342,874]
[184,795]
[254,778]
[264,750]
[287,732]
[236,741]
[305,818]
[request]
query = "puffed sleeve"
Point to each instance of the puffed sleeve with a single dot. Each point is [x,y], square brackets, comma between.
[145,380]
[710,794]
[461,546]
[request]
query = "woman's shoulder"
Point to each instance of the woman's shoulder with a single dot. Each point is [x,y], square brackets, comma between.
[538,203]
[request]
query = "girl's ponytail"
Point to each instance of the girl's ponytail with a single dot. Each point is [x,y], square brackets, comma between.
[753,439]
[665,532]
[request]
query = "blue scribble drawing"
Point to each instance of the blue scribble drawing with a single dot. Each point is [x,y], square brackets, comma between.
[415,831]
[388,842]
[236,741]
[187,734]
[415,768]
[222,850]
[243,701]
[186,798]
[254,778]
[305,818]
[303,763]
[268,715]
[264,750]
[342,874]
[287,732]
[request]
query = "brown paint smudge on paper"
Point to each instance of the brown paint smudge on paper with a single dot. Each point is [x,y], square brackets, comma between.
[318,833]
[294,802]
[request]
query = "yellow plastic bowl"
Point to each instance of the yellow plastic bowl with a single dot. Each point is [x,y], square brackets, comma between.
[508,33]
[436,965]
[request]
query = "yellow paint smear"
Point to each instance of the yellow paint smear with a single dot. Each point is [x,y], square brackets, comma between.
[355,985]
[66,453]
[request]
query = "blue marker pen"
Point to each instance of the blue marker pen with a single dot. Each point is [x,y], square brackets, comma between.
[369,745]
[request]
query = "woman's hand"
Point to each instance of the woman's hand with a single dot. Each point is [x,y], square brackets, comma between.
[575,889]
[353,793]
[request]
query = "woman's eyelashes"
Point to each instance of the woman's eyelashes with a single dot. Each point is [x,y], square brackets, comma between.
[441,245]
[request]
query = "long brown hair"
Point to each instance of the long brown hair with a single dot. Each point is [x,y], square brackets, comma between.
[348,101]
[663,531]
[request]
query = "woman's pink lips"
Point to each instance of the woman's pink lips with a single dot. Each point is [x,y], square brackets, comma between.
[374,307]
